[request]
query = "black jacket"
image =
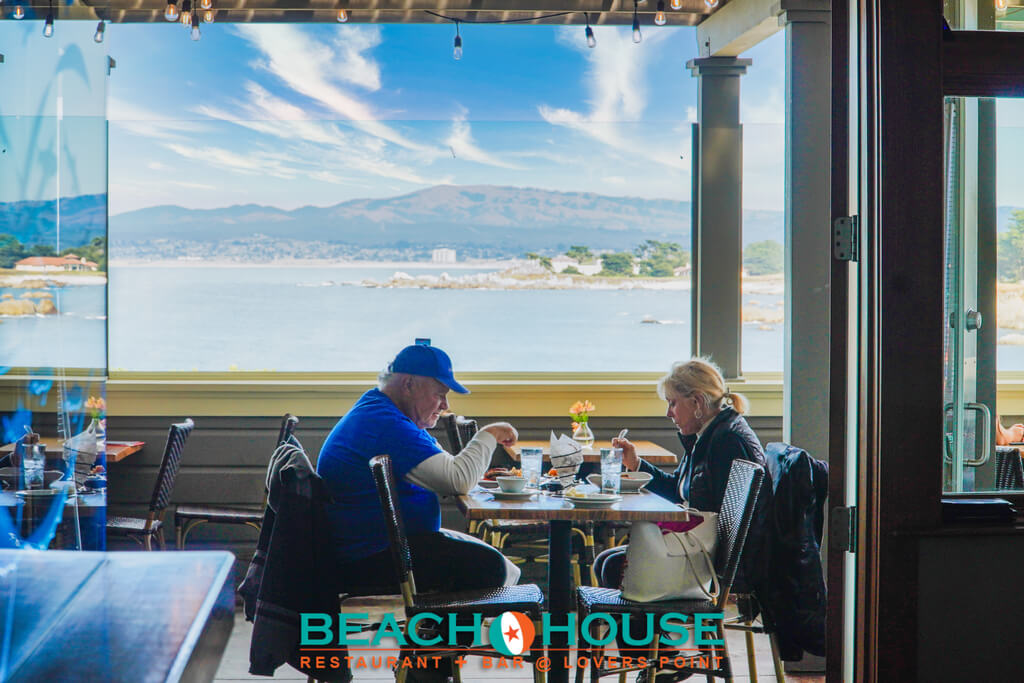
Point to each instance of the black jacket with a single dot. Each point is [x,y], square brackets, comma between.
[794,592]
[709,459]
[289,574]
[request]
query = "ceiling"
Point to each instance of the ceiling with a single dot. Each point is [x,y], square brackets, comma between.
[691,13]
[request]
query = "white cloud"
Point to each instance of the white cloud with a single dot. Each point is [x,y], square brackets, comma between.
[464,146]
[130,117]
[313,69]
[617,88]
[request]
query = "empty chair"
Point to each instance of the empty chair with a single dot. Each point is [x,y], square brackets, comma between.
[1009,469]
[738,505]
[143,530]
[188,517]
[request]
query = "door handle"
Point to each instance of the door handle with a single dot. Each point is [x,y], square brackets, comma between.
[986,433]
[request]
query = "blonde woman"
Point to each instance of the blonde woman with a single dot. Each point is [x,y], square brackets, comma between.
[713,433]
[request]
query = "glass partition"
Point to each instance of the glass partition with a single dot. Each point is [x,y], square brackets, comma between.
[53,262]
[983,316]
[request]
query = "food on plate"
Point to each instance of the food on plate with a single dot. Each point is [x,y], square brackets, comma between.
[553,472]
[495,472]
[574,492]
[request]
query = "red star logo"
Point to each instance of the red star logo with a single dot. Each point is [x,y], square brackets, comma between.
[512,633]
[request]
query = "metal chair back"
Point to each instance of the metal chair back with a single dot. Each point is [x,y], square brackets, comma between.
[288,424]
[738,505]
[177,435]
[384,478]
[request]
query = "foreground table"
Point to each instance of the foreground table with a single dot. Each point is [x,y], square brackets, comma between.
[115,616]
[480,504]
[648,450]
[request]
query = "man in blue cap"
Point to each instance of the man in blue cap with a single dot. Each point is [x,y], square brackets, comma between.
[393,419]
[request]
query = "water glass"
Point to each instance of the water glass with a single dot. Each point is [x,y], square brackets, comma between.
[33,462]
[611,470]
[532,461]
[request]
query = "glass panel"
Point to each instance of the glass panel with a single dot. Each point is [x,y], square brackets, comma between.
[984,297]
[53,232]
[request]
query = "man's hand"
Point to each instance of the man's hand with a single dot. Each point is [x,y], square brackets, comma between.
[505,433]
[630,460]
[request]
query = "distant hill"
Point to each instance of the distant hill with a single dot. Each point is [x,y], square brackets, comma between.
[35,222]
[517,219]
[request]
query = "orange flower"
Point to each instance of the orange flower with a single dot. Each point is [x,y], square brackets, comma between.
[576,408]
[588,407]
[575,426]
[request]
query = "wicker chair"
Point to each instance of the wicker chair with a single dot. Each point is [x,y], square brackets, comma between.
[188,517]
[1009,469]
[745,479]
[527,599]
[144,530]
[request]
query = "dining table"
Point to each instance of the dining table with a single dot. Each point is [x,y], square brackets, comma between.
[648,450]
[560,513]
[116,450]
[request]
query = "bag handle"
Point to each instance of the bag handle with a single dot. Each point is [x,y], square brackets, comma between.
[716,587]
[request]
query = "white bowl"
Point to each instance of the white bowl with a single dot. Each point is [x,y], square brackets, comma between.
[628,481]
[510,484]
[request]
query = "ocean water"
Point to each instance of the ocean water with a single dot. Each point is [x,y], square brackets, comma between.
[209,318]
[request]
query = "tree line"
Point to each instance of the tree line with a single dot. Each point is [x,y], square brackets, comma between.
[12,251]
[654,258]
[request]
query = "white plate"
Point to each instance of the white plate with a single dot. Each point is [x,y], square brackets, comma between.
[595,500]
[517,495]
[488,484]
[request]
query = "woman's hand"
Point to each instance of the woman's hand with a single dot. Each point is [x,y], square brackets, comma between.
[630,460]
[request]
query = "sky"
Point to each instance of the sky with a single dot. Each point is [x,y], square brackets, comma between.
[295,115]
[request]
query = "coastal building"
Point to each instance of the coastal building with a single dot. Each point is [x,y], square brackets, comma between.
[443,255]
[46,264]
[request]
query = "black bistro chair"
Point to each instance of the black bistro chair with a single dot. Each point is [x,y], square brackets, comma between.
[188,517]
[1009,469]
[745,479]
[144,530]
[527,599]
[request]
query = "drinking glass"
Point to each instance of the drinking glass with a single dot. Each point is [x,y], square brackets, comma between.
[532,461]
[611,470]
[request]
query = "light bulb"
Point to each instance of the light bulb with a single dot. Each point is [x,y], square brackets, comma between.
[591,40]
[171,13]
[208,16]
[676,4]
[457,52]
[342,16]
[711,3]
[206,4]
[195,32]
[637,36]
[48,26]
[19,12]
[186,18]
[1002,4]
[98,36]
[659,16]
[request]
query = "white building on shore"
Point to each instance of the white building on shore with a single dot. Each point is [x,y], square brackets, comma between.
[443,255]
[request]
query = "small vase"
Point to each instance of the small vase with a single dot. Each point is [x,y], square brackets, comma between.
[98,427]
[583,436]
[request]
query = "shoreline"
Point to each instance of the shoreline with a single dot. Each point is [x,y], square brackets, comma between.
[497,264]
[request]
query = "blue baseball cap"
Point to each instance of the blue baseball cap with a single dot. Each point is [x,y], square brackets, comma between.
[427,361]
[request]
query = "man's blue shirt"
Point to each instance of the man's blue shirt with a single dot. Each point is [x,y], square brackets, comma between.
[374,426]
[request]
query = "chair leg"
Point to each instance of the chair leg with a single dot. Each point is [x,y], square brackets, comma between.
[751,659]
[401,673]
[179,539]
[160,539]
[538,675]
[456,671]
[780,674]
[726,662]
[147,541]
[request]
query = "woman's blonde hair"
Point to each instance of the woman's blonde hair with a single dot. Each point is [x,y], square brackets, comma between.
[701,379]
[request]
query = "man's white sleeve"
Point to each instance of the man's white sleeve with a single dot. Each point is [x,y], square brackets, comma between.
[445,474]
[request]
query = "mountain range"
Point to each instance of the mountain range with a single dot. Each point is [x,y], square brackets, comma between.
[511,219]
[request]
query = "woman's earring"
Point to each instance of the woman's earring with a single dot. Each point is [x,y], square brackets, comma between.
[698,414]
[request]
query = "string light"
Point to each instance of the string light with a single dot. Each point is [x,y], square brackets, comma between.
[19,12]
[100,28]
[711,3]
[48,26]
[589,33]
[171,13]
[676,4]
[206,4]
[195,25]
[186,13]
[457,52]
[342,16]
[637,36]
[208,16]
[659,16]
[1002,4]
